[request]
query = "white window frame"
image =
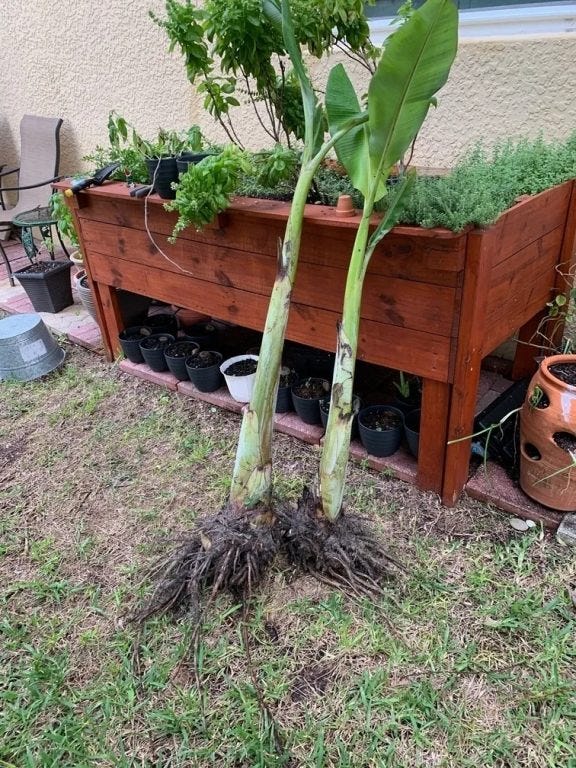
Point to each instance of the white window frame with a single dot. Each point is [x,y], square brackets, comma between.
[505,22]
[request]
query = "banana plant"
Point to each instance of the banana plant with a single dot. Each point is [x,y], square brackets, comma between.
[252,477]
[414,65]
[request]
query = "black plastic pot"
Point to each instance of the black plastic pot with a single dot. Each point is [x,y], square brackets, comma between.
[325,410]
[284,398]
[47,285]
[204,334]
[176,355]
[412,429]
[130,339]
[205,378]
[152,349]
[189,158]
[163,323]
[382,441]
[162,172]
[308,407]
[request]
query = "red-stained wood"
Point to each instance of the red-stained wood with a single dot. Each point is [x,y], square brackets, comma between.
[468,359]
[434,304]
[432,442]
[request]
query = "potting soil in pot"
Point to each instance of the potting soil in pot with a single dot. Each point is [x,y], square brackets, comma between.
[242,368]
[382,420]
[204,359]
[311,389]
[566,372]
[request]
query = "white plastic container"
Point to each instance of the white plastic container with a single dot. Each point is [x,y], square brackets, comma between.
[240,387]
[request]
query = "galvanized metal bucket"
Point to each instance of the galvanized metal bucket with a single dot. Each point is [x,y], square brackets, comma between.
[27,348]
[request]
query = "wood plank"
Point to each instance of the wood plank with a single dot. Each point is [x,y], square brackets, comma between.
[481,250]
[530,219]
[392,301]
[433,429]
[417,254]
[520,288]
[417,352]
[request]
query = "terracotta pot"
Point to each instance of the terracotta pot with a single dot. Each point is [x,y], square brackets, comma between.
[548,438]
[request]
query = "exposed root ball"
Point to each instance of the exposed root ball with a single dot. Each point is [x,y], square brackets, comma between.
[225,552]
[346,554]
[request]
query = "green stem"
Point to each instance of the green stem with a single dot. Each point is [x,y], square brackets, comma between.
[332,471]
[252,478]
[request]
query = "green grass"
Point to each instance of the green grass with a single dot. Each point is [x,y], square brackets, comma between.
[469,660]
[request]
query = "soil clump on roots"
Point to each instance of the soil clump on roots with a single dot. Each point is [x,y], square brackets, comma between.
[227,551]
[346,554]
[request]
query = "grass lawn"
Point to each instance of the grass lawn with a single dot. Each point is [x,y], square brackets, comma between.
[470,660]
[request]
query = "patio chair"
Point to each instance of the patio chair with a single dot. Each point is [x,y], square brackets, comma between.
[39,166]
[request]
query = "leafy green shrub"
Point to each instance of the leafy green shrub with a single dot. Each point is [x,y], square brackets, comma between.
[206,188]
[483,185]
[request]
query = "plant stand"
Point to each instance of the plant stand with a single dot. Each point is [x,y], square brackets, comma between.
[435,302]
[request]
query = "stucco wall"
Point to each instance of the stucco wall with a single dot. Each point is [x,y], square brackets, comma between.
[80,59]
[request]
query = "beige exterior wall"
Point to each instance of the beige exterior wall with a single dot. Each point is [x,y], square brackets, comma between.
[80,59]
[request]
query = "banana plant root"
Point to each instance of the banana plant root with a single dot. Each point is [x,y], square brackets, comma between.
[226,552]
[346,554]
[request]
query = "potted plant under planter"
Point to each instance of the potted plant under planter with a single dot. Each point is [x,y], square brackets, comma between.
[306,396]
[176,355]
[548,434]
[130,339]
[288,377]
[47,284]
[152,348]
[239,373]
[203,368]
[412,430]
[381,428]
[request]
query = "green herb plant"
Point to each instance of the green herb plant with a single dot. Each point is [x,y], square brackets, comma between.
[232,54]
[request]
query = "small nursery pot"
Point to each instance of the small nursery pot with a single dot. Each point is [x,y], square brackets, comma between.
[325,410]
[152,349]
[239,383]
[306,396]
[165,322]
[381,428]
[130,339]
[412,429]
[288,378]
[176,355]
[203,370]
[162,172]
[189,158]
[204,334]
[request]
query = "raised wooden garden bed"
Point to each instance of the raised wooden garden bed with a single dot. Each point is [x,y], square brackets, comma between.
[435,302]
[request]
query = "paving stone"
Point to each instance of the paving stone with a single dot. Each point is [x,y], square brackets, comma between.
[142,371]
[221,397]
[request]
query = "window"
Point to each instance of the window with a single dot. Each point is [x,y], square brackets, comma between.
[490,18]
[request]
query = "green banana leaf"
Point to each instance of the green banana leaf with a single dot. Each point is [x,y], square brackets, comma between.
[414,65]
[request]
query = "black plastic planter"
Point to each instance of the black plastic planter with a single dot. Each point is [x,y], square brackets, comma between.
[412,428]
[204,334]
[284,398]
[47,285]
[381,428]
[325,410]
[189,158]
[162,172]
[306,396]
[152,349]
[130,339]
[204,371]
[176,355]
[163,323]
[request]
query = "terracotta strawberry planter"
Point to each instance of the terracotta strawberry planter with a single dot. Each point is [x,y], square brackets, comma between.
[548,435]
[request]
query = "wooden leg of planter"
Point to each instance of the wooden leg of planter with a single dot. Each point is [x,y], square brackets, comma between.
[433,430]
[524,364]
[461,425]
[110,319]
